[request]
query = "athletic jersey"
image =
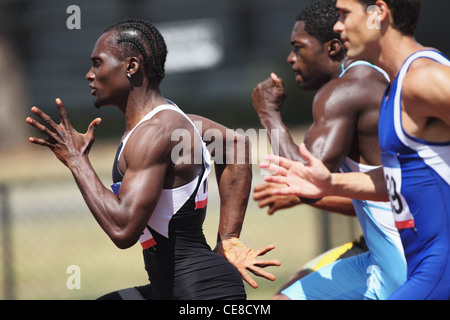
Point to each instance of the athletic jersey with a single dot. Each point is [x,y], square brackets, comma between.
[417,175]
[363,63]
[372,275]
[377,222]
[179,262]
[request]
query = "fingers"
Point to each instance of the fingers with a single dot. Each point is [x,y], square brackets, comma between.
[277,165]
[51,133]
[257,272]
[266,201]
[247,278]
[256,266]
[277,82]
[261,191]
[261,187]
[284,192]
[45,118]
[273,168]
[41,142]
[62,113]
[264,250]
[93,126]
[261,273]
[306,155]
[269,262]
[276,179]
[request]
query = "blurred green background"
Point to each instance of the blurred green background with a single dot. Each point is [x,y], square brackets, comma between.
[218,52]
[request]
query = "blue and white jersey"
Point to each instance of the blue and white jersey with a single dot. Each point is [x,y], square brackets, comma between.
[417,174]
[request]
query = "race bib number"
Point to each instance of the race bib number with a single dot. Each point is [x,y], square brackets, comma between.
[393,176]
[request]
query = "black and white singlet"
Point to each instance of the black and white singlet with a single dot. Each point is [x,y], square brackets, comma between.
[179,262]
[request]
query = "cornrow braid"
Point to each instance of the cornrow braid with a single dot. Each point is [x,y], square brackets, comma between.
[146,38]
[137,44]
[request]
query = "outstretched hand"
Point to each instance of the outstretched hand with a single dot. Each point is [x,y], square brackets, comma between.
[245,258]
[310,180]
[66,143]
[263,194]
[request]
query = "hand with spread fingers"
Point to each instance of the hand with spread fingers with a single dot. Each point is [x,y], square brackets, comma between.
[263,194]
[66,143]
[309,180]
[245,258]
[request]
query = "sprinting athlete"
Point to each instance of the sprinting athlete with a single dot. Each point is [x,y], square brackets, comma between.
[159,195]
[414,132]
[422,210]
[344,136]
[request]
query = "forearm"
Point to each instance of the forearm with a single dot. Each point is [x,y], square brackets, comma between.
[234,182]
[337,205]
[280,138]
[361,186]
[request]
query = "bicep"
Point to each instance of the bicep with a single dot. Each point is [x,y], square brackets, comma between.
[142,183]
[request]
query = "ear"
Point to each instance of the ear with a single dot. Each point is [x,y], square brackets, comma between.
[334,48]
[132,66]
[383,12]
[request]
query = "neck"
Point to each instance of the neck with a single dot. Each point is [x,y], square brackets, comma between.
[394,49]
[139,103]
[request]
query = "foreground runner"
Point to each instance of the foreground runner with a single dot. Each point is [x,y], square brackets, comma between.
[160,196]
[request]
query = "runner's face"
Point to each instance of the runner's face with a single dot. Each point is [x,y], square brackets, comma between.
[357,28]
[107,76]
[307,59]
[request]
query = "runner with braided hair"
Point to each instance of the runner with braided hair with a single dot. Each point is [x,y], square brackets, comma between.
[159,197]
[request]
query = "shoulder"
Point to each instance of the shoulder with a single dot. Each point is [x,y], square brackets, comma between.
[425,88]
[359,90]
[155,138]
[425,75]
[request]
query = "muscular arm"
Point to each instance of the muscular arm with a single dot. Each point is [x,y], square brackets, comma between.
[313,179]
[233,177]
[231,152]
[268,98]
[263,194]
[329,137]
[122,217]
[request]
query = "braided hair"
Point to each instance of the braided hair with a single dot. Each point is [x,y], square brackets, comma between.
[140,36]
